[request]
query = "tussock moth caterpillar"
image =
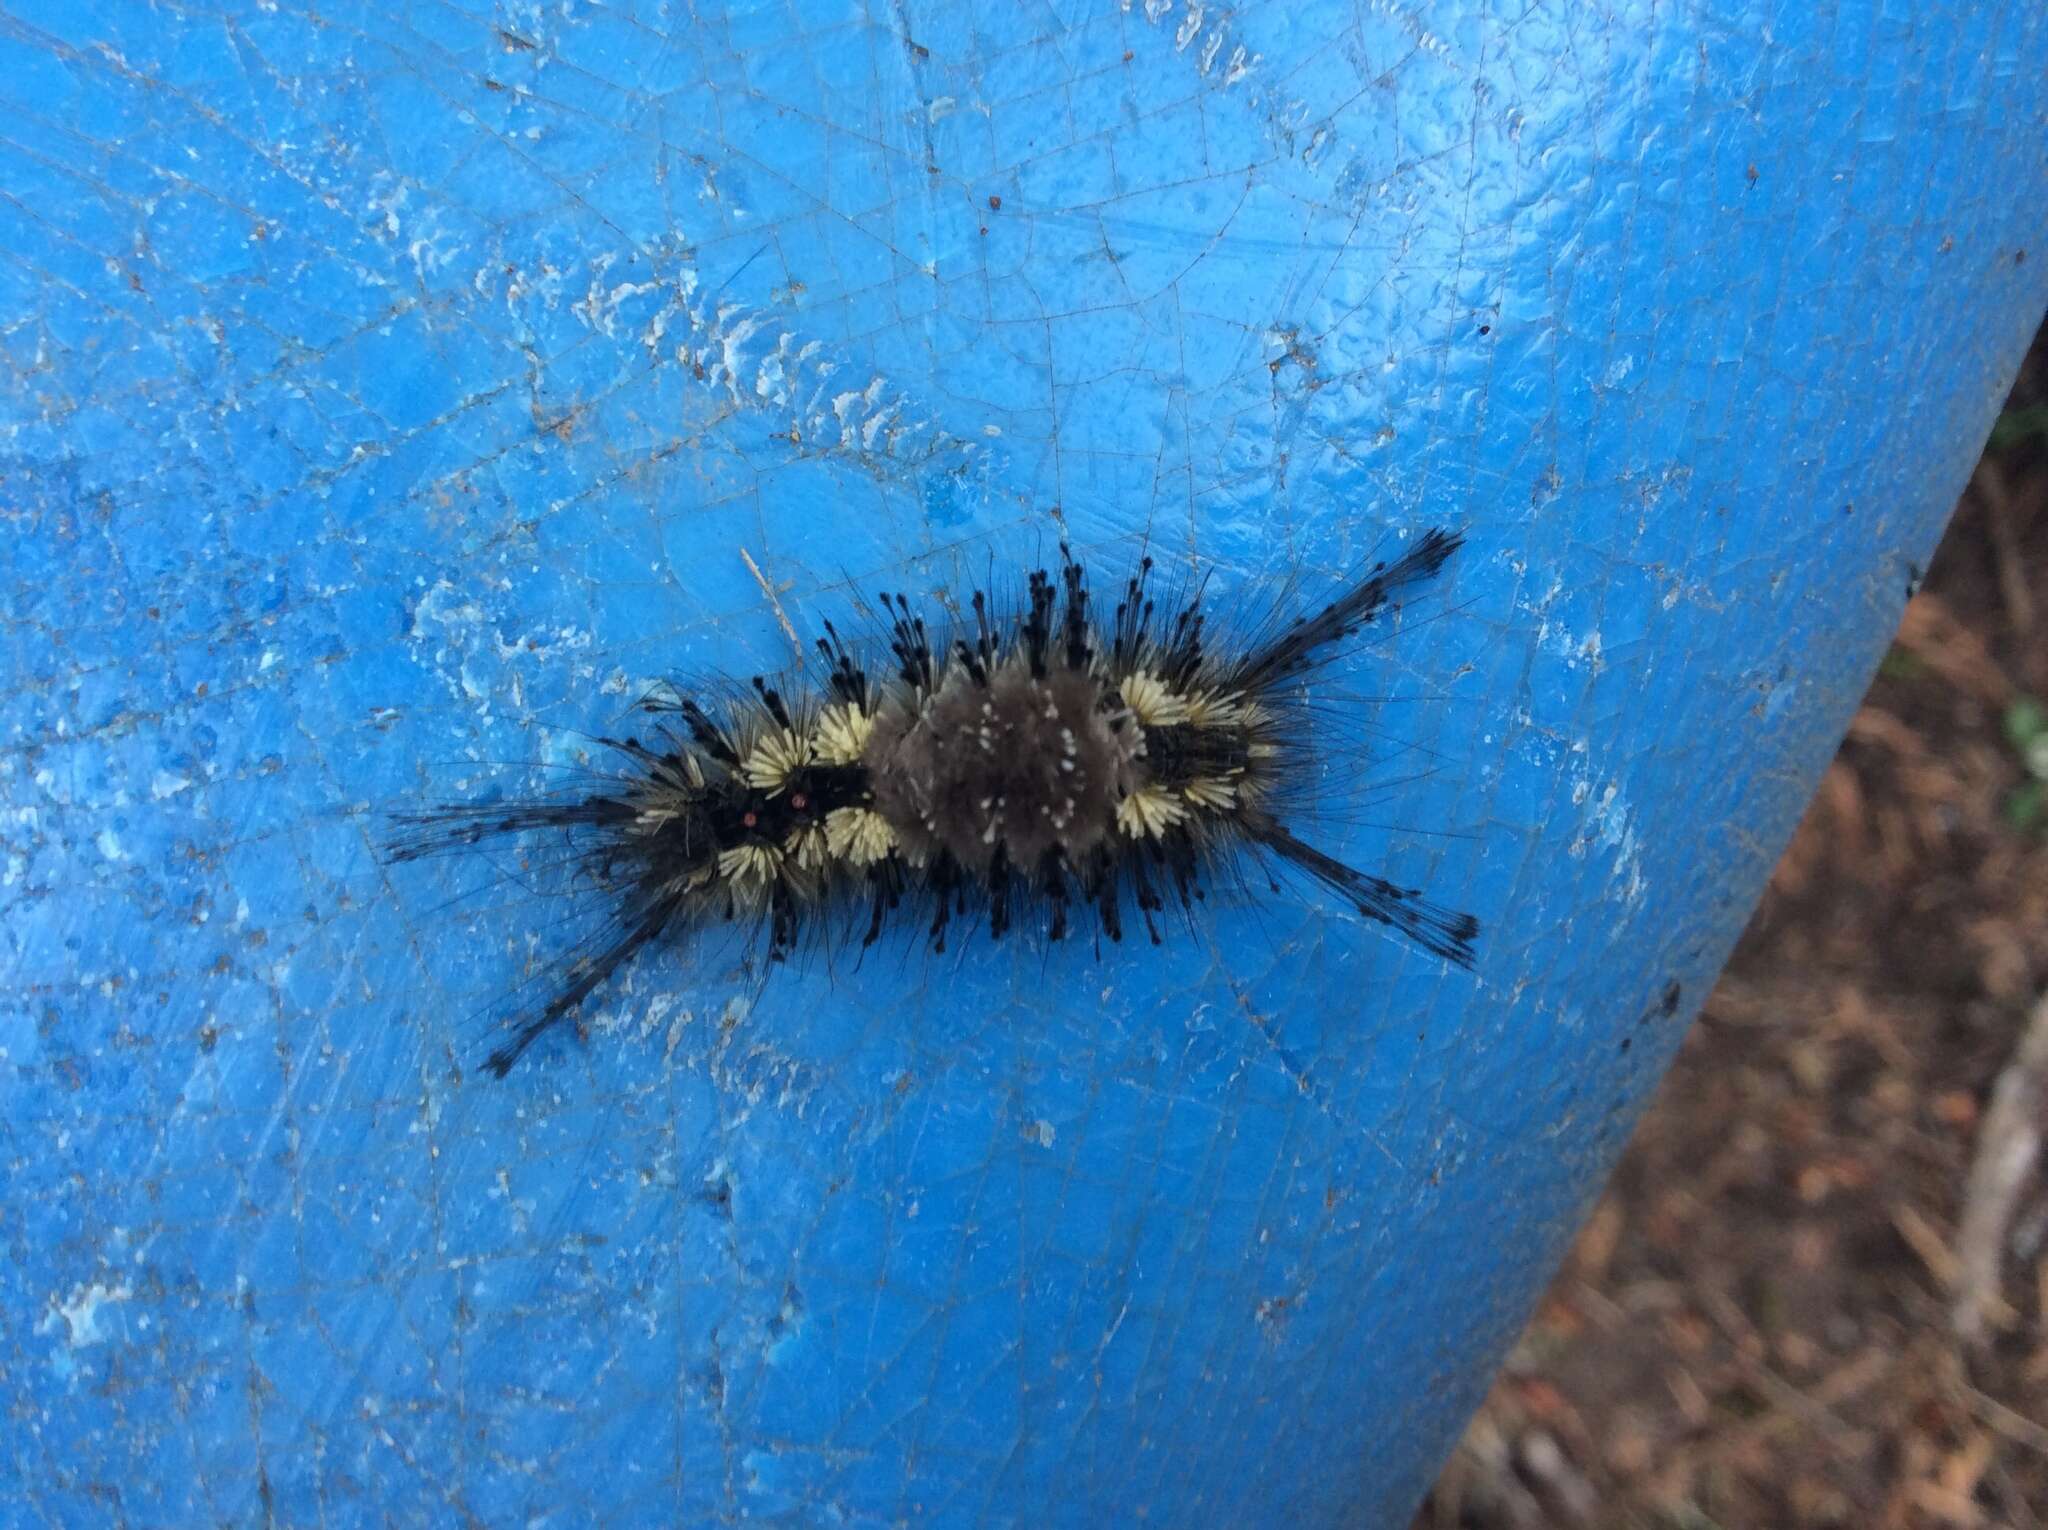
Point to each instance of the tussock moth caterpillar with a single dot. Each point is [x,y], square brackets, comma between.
[1040,765]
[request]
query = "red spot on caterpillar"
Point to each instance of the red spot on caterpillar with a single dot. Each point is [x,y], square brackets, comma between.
[750,819]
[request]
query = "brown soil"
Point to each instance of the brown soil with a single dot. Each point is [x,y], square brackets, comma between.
[1759,1325]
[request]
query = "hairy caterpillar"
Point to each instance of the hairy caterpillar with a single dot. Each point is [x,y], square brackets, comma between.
[1035,763]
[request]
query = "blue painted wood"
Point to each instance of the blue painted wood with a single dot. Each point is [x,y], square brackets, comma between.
[392,389]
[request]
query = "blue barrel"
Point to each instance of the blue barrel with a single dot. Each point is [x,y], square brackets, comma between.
[393,392]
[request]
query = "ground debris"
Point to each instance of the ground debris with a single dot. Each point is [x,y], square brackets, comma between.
[1814,1294]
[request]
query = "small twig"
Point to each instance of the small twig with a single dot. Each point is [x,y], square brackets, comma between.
[1813,1407]
[2008,1147]
[1989,482]
[1922,1239]
[774,602]
[2015,1426]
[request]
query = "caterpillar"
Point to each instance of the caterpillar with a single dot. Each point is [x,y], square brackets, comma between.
[1033,764]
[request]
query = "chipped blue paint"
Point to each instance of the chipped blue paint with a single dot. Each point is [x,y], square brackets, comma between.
[394,390]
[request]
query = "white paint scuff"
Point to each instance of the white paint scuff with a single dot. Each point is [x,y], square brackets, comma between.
[77,1318]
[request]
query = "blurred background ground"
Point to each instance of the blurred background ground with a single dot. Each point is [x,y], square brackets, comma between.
[1814,1293]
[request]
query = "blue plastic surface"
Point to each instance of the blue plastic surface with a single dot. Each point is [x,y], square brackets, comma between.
[394,388]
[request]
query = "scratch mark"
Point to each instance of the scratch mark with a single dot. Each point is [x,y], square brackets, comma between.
[774,602]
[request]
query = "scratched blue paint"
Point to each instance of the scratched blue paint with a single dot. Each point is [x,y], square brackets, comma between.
[393,391]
